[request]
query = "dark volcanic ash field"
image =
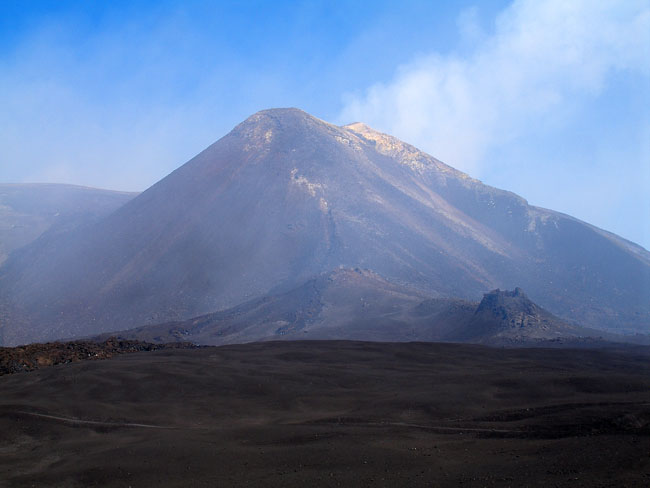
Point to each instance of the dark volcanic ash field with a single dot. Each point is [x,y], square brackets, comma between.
[332,413]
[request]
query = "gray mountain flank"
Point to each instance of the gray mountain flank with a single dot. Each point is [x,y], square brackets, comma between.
[286,197]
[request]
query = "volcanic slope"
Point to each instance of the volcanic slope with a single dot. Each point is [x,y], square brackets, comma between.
[342,304]
[28,210]
[360,305]
[285,197]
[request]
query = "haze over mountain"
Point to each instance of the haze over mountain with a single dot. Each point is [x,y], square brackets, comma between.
[285,197]
[28,210]
[341,304]
[357,305]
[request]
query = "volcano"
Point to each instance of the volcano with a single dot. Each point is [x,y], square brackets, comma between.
[285,197]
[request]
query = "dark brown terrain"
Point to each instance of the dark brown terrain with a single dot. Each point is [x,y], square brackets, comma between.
[332,414]
[285,197]
[36,356]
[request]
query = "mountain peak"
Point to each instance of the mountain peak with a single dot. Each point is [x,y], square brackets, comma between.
[262,128]
[283,125]
[289,116]
[280,112]
[285,197]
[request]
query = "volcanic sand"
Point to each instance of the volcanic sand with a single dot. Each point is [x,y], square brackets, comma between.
[332,413]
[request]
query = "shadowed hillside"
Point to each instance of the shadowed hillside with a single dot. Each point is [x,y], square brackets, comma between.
[28,210]
[360,305]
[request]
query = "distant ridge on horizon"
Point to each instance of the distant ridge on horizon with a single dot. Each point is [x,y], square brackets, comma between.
[27,210]
[285,197]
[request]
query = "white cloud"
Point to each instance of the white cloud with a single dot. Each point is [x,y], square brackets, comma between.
[543,60]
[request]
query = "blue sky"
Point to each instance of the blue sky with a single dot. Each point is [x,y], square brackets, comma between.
[548,99]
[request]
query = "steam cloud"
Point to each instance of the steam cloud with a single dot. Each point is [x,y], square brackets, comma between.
[543,59]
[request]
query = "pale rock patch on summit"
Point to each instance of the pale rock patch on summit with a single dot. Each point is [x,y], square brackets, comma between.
[404,153]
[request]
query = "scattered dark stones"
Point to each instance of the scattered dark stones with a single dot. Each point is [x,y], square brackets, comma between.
[35,356]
